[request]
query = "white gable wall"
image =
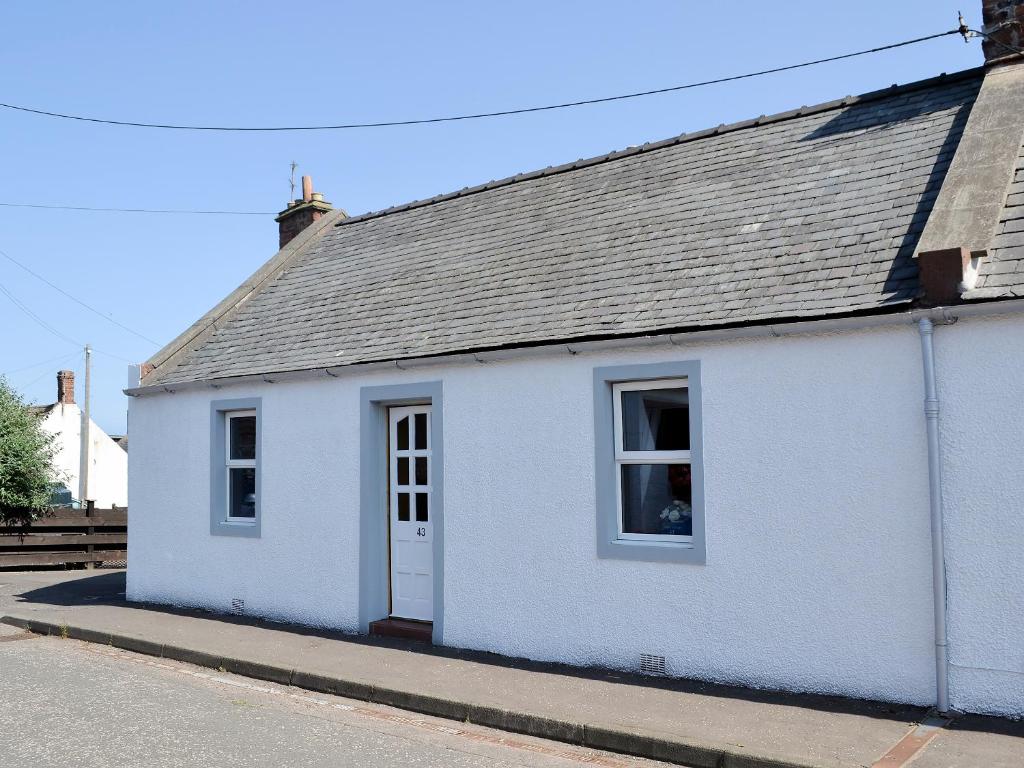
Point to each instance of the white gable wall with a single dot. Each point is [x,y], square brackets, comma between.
[818,573]
[108,466]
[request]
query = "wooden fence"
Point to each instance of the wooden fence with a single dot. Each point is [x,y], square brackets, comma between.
[64,536]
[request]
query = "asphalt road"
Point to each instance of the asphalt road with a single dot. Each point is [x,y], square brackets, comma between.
[63,702]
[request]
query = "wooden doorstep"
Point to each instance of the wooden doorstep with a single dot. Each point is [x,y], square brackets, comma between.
[404,628]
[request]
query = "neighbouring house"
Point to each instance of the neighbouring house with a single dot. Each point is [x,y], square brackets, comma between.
[107,477]
[744,405]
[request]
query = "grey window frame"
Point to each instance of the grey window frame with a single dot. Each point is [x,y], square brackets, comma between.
[609,544]
[220,524]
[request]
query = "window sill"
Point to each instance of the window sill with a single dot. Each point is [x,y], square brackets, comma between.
[652,551]
[242,528]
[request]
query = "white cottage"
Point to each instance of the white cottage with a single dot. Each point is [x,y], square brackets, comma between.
[107,476]
[742,406]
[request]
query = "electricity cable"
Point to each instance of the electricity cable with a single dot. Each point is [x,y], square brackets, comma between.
[21,305]
[77,300]
[17,303]
[136,210]
[1001,44]
[34,365]
[44,374]
[481,115]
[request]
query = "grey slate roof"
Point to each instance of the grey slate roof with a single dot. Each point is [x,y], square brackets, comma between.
[806,214]
[1002,273]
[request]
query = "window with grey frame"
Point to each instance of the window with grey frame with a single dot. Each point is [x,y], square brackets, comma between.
[649,462]
[240,465]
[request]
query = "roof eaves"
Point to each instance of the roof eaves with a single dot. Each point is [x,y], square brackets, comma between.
[891,312]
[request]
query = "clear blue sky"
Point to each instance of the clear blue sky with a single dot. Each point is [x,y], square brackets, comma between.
[258,62]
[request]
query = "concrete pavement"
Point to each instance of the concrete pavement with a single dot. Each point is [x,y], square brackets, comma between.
[680,721]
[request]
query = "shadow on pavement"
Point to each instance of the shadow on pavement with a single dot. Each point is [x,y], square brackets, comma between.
[109,589]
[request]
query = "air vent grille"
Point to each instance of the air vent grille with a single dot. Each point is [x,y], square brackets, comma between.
[237,605]
[650,664]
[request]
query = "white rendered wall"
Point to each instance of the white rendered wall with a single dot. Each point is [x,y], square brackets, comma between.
[980,368]
[108,462]
[304,567]
[818,574]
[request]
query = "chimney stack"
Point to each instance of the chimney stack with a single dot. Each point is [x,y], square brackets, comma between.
[945,275]
[65,387]
[302,212]
[1003,21]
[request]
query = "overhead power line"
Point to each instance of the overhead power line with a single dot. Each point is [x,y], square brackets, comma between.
[974,32]
[44,374]
[17,303]
[481,115]
[75,299]
[34,365]
[136,210]
[21,305]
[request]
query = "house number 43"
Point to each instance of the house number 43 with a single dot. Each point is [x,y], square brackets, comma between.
[421,531]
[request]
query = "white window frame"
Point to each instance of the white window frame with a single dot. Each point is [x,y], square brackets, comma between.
[623,457]
[230,463]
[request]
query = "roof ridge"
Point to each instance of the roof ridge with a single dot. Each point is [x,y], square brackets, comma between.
[683,138]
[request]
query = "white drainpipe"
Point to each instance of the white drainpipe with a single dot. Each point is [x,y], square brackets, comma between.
[931,414]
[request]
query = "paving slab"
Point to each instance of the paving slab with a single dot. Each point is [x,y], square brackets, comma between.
[687,722]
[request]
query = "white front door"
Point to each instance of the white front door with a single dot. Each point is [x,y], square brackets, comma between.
[412,533]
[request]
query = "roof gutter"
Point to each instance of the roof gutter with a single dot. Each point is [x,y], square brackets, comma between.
[938,315]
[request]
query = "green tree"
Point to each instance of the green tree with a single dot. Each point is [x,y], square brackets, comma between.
[26,460]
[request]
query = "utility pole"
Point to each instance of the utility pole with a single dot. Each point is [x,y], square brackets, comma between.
[83,466]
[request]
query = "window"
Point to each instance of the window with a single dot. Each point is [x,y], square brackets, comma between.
[241,464]
[649,473]
[235,467]
[652,457]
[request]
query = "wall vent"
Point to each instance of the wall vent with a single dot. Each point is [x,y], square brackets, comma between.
[651,664]
[237,606]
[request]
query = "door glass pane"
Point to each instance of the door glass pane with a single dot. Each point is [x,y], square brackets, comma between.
[403,507]
[656,420]
[656,499]
[403,434]
[421,431]
[421,470]
[421,507]
[242,492]
[403,470]
[242,434]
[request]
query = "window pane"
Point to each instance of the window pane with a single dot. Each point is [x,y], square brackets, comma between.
[403,471]
[242,492]
[421,507]
[656,420]
[403,507]
[243,437]
[421,431]
[421,470]
[403,434]
[656,499]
